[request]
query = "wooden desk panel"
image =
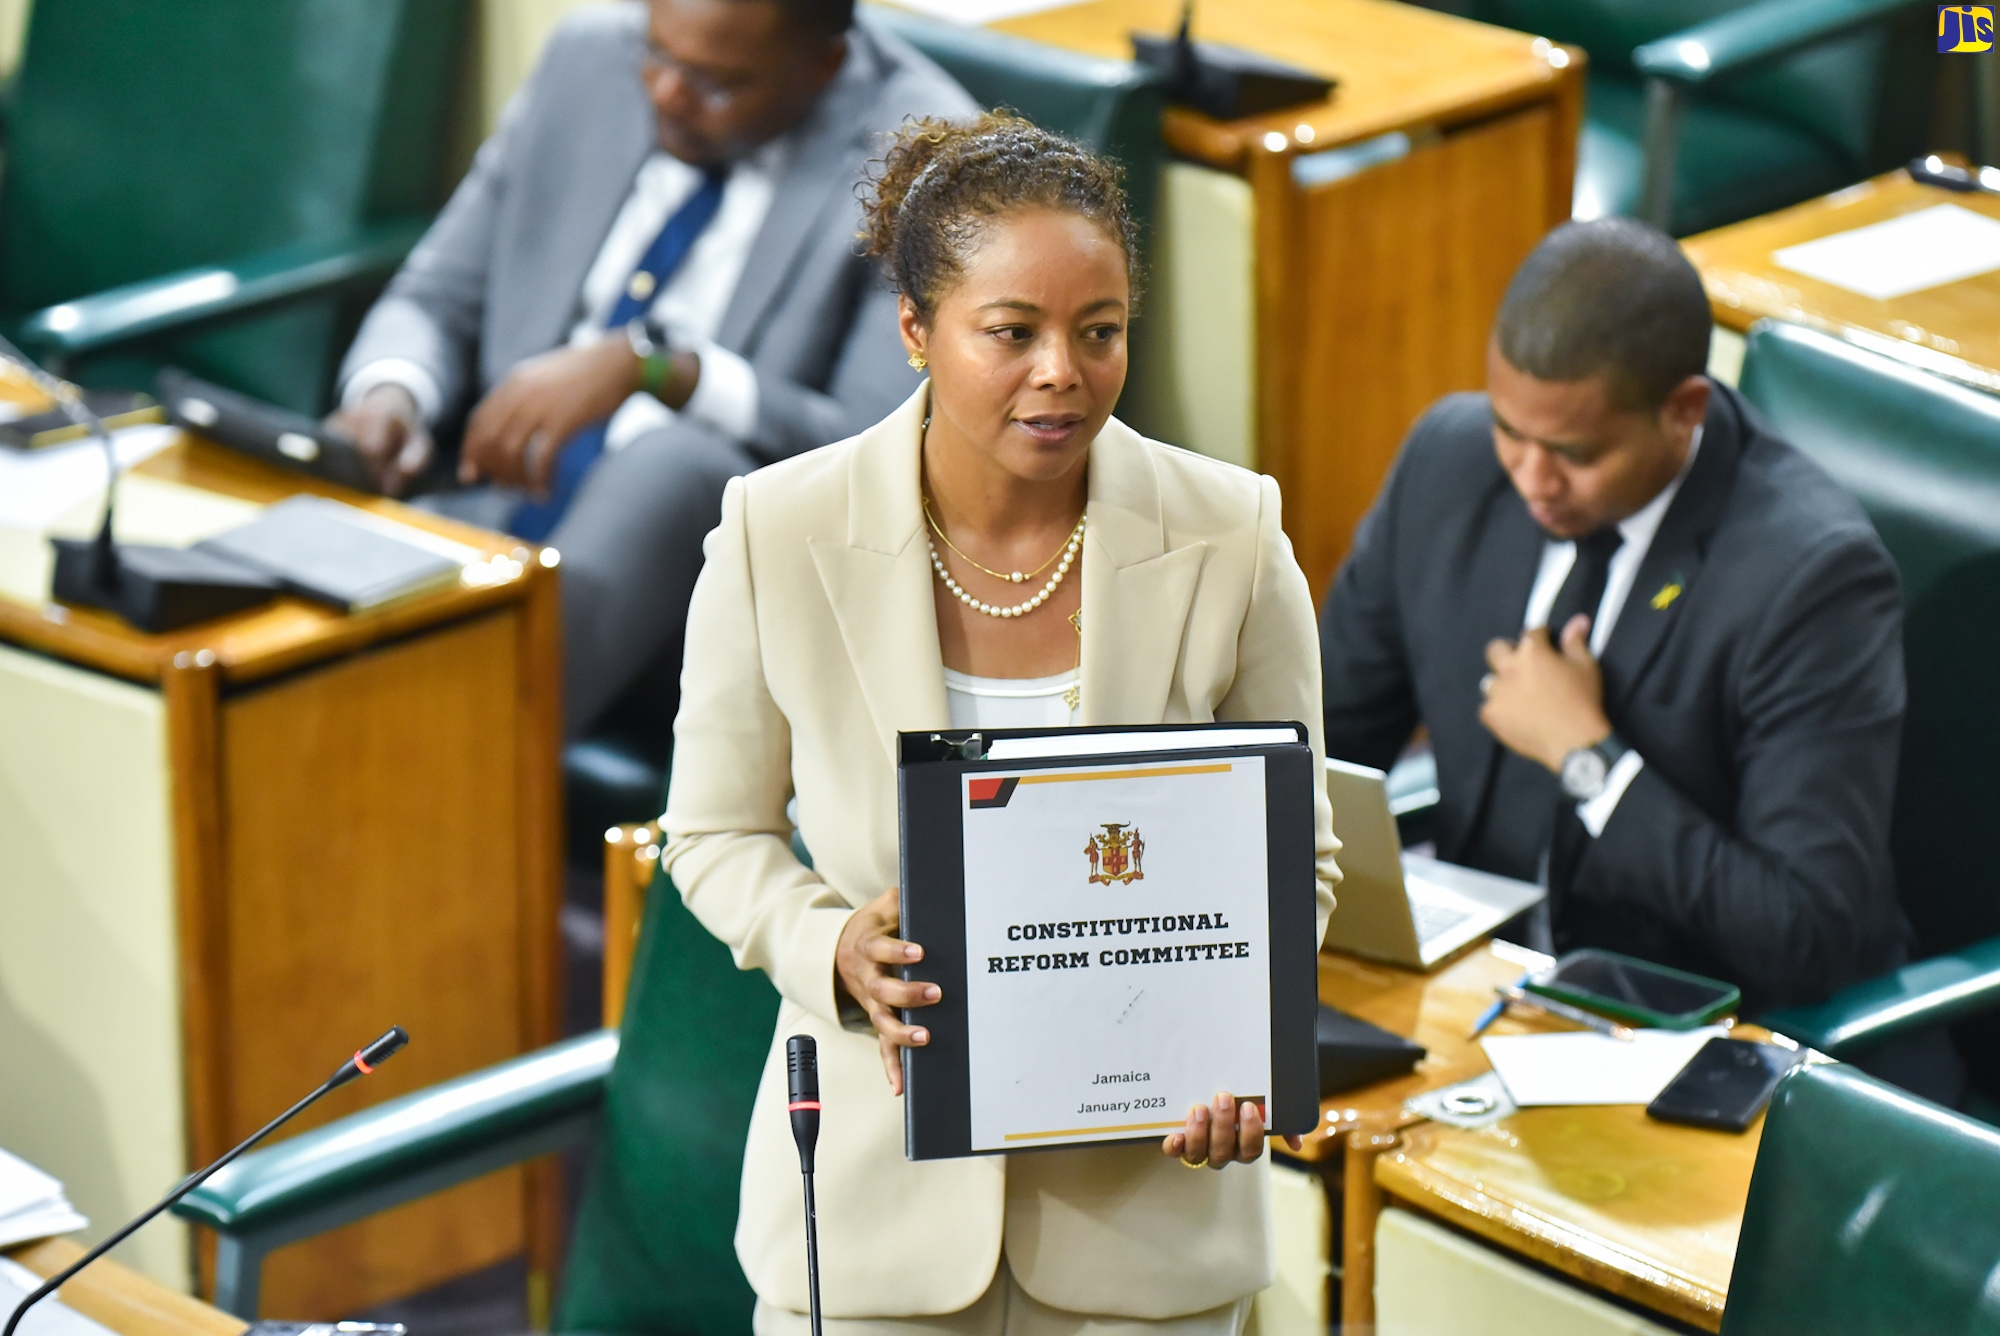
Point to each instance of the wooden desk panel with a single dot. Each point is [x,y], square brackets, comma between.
[1642,1209]
[1398,66]
[366,831]
[1952,330]
[1375,293]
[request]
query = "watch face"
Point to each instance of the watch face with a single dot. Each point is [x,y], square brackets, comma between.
[1583,774]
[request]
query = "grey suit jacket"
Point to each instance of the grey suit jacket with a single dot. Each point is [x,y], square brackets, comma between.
[497,277]
[1757,667]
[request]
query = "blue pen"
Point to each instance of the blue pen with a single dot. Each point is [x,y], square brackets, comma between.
[1492,1013]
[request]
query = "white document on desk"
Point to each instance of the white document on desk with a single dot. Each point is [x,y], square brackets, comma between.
[1925,249]
[50,1317]
[1104,1008]
[1580,1067]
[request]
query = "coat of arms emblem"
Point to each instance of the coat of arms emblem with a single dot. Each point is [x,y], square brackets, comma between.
[1116,855]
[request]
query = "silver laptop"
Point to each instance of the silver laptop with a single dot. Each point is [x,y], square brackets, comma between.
[1405,908]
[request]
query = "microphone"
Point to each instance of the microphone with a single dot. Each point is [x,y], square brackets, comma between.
[802,1085]
[153,588]
[364,1062]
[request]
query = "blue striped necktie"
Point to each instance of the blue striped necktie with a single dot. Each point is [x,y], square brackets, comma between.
[535,520]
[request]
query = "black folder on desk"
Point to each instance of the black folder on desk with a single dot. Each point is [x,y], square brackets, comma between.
[1115,935]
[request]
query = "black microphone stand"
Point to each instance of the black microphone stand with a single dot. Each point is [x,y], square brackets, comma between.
[154,588]
[361,1064]
[802,1065]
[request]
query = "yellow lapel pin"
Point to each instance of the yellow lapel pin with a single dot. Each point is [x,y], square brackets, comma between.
[1668,593]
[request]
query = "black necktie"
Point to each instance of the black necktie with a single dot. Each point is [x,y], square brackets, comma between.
[1581,592]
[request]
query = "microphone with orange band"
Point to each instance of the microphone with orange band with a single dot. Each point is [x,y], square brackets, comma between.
[802,1085]
[364,1062]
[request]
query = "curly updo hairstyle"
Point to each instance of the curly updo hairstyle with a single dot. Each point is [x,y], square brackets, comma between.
[943,183]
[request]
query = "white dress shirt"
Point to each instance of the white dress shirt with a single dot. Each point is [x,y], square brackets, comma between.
[1637,530]
[690,304]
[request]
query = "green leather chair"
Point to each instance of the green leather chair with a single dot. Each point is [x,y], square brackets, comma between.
[1110,106]
[663,1101]
[1923,456]
[1871,1213]
[1702,112]
[220,185]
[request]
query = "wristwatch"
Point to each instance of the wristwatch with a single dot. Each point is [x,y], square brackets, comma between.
[1585,770]
[650,346]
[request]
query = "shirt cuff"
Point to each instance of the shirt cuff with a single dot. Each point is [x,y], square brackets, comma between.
[423,386]
[1596,813]
[725,395]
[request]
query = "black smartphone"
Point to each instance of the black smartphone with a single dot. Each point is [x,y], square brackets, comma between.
[1635,991]
[1725,1086]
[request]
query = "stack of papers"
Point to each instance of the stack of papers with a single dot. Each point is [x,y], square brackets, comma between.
[32,1204]
[1585,1068]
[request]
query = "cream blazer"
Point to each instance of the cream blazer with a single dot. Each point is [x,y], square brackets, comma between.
[812,640]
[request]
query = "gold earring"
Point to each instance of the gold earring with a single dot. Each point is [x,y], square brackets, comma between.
[918,361]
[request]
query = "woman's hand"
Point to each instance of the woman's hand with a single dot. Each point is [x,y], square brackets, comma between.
[864,965]
[1226,1133]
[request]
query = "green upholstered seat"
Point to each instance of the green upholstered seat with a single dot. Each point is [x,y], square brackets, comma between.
[1923,456]
[654,1248]
[1871,1213]
[1109,106]
[663,1102]
[1777,100]
[219,185]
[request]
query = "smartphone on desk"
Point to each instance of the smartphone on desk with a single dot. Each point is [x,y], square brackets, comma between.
[1725,1086]
[1635,991]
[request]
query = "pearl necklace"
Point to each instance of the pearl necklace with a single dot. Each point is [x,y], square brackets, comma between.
[1019,609]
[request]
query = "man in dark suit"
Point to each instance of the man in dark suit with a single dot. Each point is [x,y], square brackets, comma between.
[647,284]
[1658,651]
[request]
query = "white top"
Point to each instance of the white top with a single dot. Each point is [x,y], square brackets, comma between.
[1009,702]
[691,304]
[1638,530]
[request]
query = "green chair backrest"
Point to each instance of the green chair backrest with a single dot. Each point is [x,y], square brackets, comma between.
[1111,107]
[1923,456]
[653,1249]
[1867,93]
[1871,1213]
[145,138]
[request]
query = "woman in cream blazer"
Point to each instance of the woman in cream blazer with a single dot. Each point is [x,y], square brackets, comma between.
[812,640]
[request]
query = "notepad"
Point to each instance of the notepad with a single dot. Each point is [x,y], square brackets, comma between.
[1586,1068]
[1925,249]
[342,555]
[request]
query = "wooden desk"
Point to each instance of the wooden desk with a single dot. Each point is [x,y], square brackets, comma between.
[1952,330]
[121,1299]
[237,850]
[1635,1208]
[1374,291]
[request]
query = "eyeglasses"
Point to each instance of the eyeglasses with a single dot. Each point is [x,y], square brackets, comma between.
[714,91]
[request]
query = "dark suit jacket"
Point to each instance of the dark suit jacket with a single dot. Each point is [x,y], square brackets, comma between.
[496,278]
[1766,698]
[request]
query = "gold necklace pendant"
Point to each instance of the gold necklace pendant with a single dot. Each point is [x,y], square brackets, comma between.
[1011,577]
[1074,695]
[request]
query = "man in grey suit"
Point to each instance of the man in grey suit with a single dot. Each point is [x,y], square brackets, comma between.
[647,284]
[1658,650]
